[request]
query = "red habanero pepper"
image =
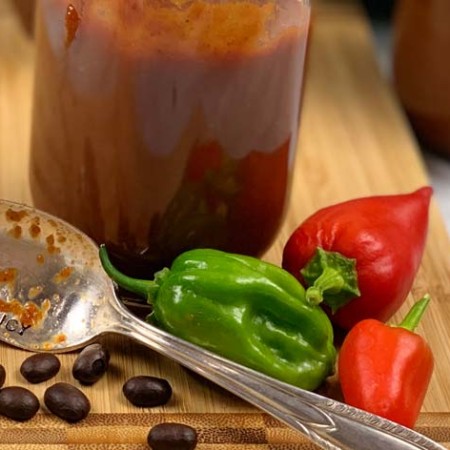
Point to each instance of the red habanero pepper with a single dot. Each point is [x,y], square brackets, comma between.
[361,256]
[386,370]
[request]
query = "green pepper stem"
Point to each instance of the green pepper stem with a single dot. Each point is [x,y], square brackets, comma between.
[414,315]
[146,288]
[329,280]
[332,278]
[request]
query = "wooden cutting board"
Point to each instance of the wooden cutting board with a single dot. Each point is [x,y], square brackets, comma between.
[354,141]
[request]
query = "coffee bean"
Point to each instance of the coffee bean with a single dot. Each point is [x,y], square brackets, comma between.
[2,375]
[172,436]
[91,364]
[67,402]
[146,391]
[40,367]
[18,403]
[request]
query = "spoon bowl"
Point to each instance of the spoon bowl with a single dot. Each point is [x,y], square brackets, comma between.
[55,297]
[51,272]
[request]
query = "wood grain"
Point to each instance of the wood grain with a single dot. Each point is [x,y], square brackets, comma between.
[229,431]
[354,141]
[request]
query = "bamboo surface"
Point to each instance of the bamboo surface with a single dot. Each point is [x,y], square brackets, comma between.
[354,141]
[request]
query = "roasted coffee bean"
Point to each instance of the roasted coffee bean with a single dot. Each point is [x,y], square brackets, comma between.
[146,391]
[40,367]
[67,402]
[18,403]
[91,364]
[2,375]
[172,436]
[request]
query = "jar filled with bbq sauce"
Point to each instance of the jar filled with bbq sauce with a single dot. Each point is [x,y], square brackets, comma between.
[421,67]
[161,126]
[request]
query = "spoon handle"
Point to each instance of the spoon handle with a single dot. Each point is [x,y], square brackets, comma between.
[328,423]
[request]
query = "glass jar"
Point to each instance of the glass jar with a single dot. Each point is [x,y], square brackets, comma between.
[161,126]
[421,67]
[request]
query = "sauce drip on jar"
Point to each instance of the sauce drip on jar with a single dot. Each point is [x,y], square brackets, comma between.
[72,22]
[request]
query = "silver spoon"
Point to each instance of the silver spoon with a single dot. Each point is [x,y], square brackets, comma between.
[49,267]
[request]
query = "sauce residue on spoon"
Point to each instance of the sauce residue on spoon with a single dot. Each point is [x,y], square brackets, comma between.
[15,216]
[16,231]
[57,340]
[51,247]
[63,275]
[8,275]
[29,314]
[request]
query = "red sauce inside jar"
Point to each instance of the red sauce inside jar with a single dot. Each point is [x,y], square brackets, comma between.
[163,128]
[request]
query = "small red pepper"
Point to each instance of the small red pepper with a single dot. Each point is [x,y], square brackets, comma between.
[386,370]
[361,256]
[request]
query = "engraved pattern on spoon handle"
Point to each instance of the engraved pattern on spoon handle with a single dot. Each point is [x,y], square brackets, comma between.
[330,424]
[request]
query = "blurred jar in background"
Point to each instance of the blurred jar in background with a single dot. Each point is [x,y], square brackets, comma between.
[421,66]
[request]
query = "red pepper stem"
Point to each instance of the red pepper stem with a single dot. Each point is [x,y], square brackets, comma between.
[414,315]
[146,288]
[330,280]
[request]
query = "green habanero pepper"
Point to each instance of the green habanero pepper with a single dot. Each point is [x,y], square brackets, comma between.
[244,309]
